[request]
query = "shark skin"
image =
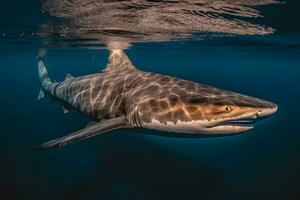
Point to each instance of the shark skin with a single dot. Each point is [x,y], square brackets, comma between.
[121,96]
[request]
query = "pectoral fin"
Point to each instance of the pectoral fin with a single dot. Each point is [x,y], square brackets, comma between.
[89,131]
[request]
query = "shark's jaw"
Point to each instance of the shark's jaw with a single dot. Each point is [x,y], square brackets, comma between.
[241,123]
[232,125]
[198,127]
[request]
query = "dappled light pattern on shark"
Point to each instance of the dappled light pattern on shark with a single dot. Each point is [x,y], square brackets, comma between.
[123,96]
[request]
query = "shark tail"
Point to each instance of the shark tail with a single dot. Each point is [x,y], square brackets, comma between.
[43,74]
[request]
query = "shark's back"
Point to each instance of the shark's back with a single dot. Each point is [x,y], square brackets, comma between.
[113,93]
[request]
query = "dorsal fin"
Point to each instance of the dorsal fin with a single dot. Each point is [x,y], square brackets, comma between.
[118,61]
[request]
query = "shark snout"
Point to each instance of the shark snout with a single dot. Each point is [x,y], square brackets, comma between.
[267,111]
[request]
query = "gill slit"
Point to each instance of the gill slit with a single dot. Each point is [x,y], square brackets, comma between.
[136,119]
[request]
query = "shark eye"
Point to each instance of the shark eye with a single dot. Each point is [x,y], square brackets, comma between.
[228,109]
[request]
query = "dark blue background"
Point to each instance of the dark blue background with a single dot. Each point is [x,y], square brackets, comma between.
[261,164]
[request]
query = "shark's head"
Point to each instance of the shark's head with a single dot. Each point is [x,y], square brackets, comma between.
[210,111]
[230,115]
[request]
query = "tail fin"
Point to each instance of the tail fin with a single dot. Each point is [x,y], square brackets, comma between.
[43,73]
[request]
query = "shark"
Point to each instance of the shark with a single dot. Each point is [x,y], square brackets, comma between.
[122,96]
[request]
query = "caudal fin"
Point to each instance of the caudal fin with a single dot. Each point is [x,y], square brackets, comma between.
[43,73]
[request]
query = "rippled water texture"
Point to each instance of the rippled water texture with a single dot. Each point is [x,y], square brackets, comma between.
[89,22]
[153,20]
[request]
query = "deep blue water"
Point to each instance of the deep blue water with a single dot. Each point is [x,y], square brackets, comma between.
[261,164]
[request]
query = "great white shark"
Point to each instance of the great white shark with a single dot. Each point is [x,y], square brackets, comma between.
[122,96]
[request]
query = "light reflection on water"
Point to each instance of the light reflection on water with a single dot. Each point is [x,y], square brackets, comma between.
[89,21]
[153,20]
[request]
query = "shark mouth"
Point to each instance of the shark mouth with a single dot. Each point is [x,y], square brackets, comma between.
[246,122]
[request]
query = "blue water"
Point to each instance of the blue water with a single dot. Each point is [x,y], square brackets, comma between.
[261,164]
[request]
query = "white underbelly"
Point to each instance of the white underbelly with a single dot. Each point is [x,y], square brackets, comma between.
[193,127]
